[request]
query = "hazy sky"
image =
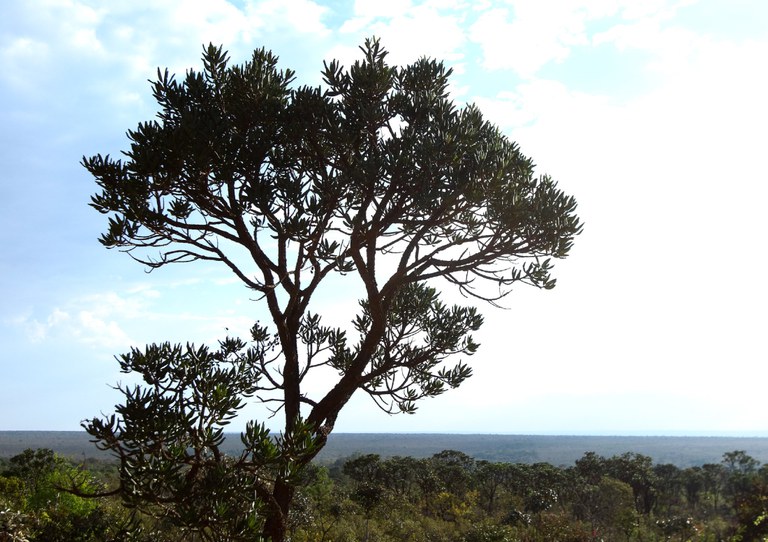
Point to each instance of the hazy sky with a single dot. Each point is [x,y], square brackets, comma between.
[654,114]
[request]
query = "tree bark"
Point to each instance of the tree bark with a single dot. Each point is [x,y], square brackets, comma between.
[276,524]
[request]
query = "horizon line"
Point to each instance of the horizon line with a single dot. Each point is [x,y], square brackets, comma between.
[618,434]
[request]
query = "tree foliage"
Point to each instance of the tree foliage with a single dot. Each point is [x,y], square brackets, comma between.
[378,177]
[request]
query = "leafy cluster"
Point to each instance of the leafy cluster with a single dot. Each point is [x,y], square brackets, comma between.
[168,432]
[421,333]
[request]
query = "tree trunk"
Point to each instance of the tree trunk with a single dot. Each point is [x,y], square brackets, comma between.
[276,524]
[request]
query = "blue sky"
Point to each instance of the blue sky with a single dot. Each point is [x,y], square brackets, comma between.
[653,114]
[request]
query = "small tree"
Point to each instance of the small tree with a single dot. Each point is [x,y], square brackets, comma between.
[377,177]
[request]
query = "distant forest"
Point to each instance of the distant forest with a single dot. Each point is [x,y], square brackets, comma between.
[446,497]
[556,450]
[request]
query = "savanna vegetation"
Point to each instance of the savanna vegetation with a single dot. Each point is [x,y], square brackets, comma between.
[449,497]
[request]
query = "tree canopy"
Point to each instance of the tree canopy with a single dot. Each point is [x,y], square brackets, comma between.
[377,177]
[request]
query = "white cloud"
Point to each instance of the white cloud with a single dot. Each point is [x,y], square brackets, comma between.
[94,330]
[669,46]
[408,32]
[300,16]
[529,34]
[670,188]
[75,23]
[540,99]
[115,47]
[22,58]
[91,320]
[202,309]
[222,22]
[36,330]
[651,8]
[370,9]
[535,36]
[145,290]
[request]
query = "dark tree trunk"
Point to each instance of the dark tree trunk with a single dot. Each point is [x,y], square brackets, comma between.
[276,524]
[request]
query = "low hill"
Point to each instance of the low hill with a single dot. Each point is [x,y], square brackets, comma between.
[557,450]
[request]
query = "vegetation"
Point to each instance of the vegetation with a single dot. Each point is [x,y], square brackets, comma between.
[556,449]
[33,505]
[377,183]
[449,497]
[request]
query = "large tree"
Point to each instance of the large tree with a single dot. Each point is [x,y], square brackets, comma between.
[376,177]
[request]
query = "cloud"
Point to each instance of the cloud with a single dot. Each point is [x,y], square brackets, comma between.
[366,10]
[35,330]
[95,329]
[92,320]
[22,58]
[526,43]
[407,31]
[526,35]
[201,309]
[113,48]
[669,187]
[300,16]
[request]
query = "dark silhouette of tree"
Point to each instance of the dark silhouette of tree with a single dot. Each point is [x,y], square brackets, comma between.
[591,467]
[693,483]
[490,478]
[547,485]
[401,477]
[607,506]
[365,468]
[377,178]
[751,505]
[738,462]
[713,477]
[740,469]
[669,484]
[455,470]
[637,471]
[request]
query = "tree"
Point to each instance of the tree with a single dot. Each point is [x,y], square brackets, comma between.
[713,477]
[490,477]
[378,177]
[34,466]
[608,506]
[365,468]
[637,471]
[740,468]
[591,467]
[401,477]
[693,482]
[751,505]
[455,470]
[669,485]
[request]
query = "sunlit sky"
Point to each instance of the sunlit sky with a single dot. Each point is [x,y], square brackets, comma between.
[652,113]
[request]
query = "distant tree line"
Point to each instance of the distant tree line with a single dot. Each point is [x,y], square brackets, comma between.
[449,497]
[453,497]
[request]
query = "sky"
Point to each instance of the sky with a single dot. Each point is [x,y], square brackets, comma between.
[652,114]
